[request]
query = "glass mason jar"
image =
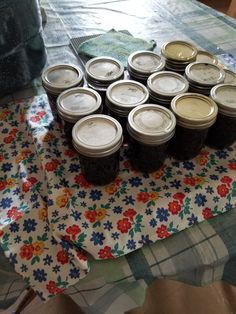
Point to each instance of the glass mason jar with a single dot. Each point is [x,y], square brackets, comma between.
[97,139]
[142,63]
[195,114]
[121,97]
[150,129]
[58,78]
[223,133]
[76,103]
[22,50]
[100,72]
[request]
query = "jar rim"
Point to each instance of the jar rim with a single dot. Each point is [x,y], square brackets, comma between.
[140,70]
[223,107]
[169,56]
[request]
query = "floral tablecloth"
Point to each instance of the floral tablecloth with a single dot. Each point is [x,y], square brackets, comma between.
[51,218]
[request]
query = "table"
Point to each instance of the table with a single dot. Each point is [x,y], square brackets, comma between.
[169,258]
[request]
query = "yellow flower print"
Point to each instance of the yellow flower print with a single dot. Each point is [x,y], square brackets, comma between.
[200,180]
[38,247]
[201,160]
[153,195]
[159,173]
[42,214]
[111,188]
[11,182]
[100,214]
[19,158]
[62,200]
[67,192]
[47,137]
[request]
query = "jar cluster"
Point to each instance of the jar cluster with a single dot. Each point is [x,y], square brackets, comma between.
[163,105]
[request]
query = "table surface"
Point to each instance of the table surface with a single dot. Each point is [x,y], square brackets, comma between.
[198,255]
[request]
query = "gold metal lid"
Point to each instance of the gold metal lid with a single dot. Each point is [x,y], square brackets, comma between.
[194,111]
[179,50]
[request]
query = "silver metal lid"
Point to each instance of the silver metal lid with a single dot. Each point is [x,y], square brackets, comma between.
[207,74]
[145,62]
[205,56]
[225,97]
[230,77]
[151,124]
[104,69]
[194,111]
[124,95]
[75,103]
[59,77]
[97,136]
[167,83]
[179,50]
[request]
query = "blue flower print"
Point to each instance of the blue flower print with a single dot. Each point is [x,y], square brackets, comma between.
[175,184]
[162,214]
[221,169]
[74,168]
[6,167]
[115,235]
[188,165]
[39,275]
[135,181]
[12,259]
[6,202]
[108,225]
[153,222]
[95,195]
[48,260]
[129,200]
[117,209]
[24,268]
[200,199]
[145,240]
[97,238]
[222,154]
[14,227]
[192,220]
[131,245]
[29,225]
[74,273]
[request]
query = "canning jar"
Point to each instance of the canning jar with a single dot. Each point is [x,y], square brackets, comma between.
[223,133]
[58,78]
[150,128]
[97,139]
[195,114]
[121,97]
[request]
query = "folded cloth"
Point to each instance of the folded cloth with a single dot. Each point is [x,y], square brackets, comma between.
[114,44]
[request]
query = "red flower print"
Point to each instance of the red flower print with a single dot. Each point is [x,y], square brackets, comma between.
[105,253]
[82,256]
[123,225]
[26,186]
[14,214]
[1,158]
[130,213]
[179,196]
[52,288]
[80,179]
[13,132]
[90,215]
[70,153]
[8,139]
[35,118]
[227,180]
[62,257]
[174,207]
[73,230]
[162,232]
[207,213]
[2,185]
[222,190]
[50,166]
[26,251]
[143,197]
[232,166]
[1,233]
[41,114]
[32,180]
[189,181]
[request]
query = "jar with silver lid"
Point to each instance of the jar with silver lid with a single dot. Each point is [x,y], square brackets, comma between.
[122,96]
[223,133]
[178,54]
[230,77]
[58,78]
[143,63]
[76,103]
[97,139]
[164,86]
[195,114]
[203,76]
[100,72]
[206,57]
[150,128]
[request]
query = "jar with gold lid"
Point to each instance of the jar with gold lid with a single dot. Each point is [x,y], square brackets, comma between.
[195,114]
[223,133]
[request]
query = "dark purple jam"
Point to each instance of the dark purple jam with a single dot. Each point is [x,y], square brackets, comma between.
[147,158]
[100,170]
[223,133]
[187,143]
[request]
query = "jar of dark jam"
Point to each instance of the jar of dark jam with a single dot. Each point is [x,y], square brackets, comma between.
[223,133]
[100,72]
[121,97]
[76,103]
[150,128]
[141,64]
[58,78]
[98,139]
[195,114]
